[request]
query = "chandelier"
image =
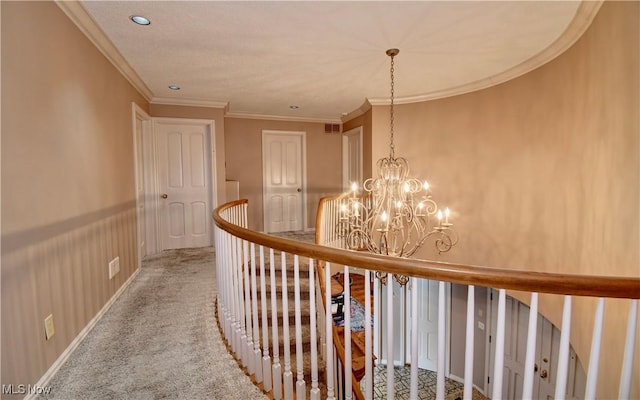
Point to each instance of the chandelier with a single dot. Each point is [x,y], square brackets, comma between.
[394,214]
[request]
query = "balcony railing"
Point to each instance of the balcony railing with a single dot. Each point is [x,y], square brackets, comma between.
[259,273]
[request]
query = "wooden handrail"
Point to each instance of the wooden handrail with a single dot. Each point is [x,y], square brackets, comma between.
[541,282]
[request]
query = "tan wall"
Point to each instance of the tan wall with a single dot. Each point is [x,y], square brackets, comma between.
[243,147]
[208,113]
[543,172]
[68,202]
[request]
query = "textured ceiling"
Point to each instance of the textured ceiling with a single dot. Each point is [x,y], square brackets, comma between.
[327,57]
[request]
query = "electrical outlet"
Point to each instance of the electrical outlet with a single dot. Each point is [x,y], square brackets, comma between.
[48,327]
[114,267]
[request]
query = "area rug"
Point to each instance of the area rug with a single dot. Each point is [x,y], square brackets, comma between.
[357,316]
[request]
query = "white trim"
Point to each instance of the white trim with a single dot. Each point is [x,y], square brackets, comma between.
[288,118]
[303,150]
[190,102]
[366,106]
[87,25]
[585,14]
[46,378]
[213,195]
[345,157]
[138,113]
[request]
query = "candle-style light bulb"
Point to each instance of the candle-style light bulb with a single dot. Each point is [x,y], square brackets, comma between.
[383,217]
[440,217]
[398,204]
[446,215]
[343,208]
[406,187]
[354,187]
[425,185]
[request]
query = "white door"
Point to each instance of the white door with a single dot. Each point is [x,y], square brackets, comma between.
[184,184]
[352,158]
[547,353]
[428,324]
[546,357]
[283,174]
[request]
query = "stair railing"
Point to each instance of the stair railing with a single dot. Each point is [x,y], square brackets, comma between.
[237,306]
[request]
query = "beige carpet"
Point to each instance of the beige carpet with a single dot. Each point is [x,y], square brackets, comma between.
[159,340]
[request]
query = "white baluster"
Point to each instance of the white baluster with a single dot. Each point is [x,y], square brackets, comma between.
[247,313]
[254,311]
[287,376]
[414,339]
[236,300]
[498,363]
[594,358]
[266,359]
[629,351]
[276,368]
[441,342]
[529,362]
[347,335]
[315,391]
[563,357]
[232,293]
[329,330]
[240,328]
[390,371]
[468,350]
[300,383]
[377,305]
[368,370]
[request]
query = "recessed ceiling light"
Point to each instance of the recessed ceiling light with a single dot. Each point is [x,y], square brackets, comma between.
[140,20]
[294,107]
[174,87]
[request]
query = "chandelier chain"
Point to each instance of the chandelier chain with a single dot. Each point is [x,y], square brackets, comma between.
[391,145]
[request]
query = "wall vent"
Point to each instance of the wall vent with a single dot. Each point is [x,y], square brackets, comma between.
[332,128]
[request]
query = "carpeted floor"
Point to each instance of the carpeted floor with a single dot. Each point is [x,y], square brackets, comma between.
[158,340]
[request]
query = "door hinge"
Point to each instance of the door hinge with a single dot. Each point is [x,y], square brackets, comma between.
[489,338]
[491,296]
[488,379]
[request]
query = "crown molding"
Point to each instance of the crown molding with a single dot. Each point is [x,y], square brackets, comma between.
[585,15]
[283,118]
[170,101]
[366,106]
[87,25]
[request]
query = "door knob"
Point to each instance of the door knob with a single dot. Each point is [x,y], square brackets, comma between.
[164,196]
[544,374]
[299,190]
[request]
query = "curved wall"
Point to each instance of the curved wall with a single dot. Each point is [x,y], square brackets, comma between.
[543,172]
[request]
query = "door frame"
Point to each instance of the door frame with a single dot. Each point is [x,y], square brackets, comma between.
[303,136]
[137,113]
[154,193]
[346,185]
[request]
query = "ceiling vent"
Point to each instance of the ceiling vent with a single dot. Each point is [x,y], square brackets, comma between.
[332,128]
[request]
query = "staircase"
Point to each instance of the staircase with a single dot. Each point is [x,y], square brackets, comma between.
[305,315]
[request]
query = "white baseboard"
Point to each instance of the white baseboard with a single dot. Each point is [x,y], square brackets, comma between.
[461,380]
[44,380]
